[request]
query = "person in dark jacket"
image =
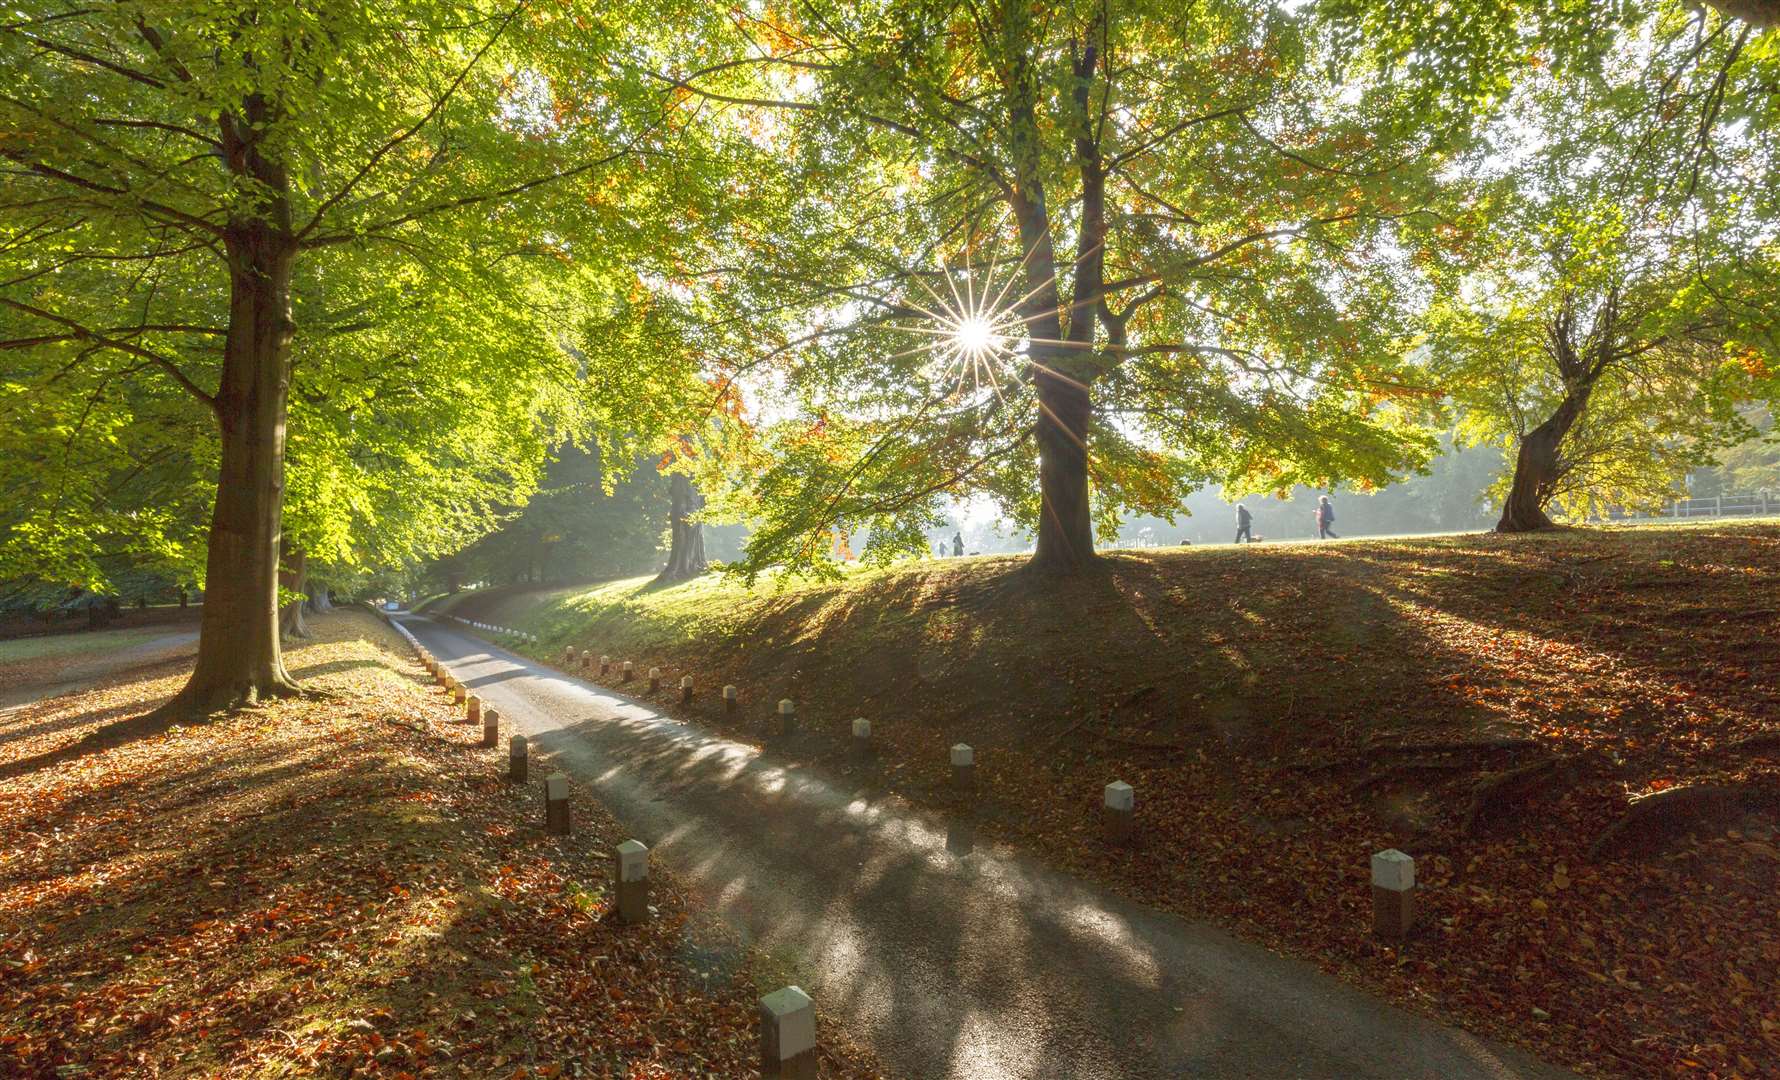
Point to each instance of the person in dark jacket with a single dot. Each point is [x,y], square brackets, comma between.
[1243,521]
[957,544]
[1325,519]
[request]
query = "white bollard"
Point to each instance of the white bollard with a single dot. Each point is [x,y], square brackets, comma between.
[630,874]
[629,669]
[731,697]
[1393,894]
[862,735]
[787,716]
[518,757]
[964,767]
[491,728]
[1118,812]
[787,1035]
[472,709]
[685,689]
[654,679]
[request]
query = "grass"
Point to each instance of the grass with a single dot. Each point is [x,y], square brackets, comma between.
[1285,710]
[342,886]
[19,650]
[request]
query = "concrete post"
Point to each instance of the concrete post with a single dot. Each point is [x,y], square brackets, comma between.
[731,697]
[627,672]
[491,728]
[518,755]
[862,735]
[630,878]
[685,689]
[472,709]
[605,663]
[1393,895]
[568,655]
[459,695]
[1118,812]
[787,1035]
[654,679]
[556,804]
[964,767]
[787,716]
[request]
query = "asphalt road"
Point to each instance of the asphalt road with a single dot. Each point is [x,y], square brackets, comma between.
[953,961]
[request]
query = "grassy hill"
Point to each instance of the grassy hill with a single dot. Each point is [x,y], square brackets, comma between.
[1488,703]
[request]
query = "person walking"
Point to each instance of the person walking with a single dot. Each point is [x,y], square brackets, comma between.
[957,544]
[1243,521]
[1325,519]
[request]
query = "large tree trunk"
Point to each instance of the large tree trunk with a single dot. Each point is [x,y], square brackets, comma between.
[1537,467]
[295,578]
[239,661]
[686,544]
[1065,526]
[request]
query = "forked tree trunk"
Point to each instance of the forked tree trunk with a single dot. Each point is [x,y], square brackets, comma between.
[686,543]
[295,578]
[1538,467]
[1066,525]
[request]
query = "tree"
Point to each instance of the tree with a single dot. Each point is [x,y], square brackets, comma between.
[686,536]
[217,155]
[1153,242]
[1595,327]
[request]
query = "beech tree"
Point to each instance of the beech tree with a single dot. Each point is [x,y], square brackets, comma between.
[1152,244]
[1608,312]
[220,155]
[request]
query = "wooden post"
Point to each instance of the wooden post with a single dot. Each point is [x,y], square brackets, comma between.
[964,767]
[630,878]
[685,689]
[517,758]
[731,697]
[787,1035]
[605,664]
[459,696]
[491,728]
[787,716]
[1393,895]
[654,679]
[556,804]
[861,735]
[627,671]
[587,663]
[1118,812]
[472,709]
[568,655]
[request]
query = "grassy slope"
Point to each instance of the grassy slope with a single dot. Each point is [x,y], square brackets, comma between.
[331,888]
[1246,692]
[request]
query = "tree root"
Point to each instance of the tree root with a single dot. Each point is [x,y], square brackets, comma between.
[1501,794]
[1456,747]
[1759,743]
[1652,822]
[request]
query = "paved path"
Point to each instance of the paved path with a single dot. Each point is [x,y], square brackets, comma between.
[953,963]
[83,673]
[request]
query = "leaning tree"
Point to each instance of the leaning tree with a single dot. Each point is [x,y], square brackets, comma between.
[1610,309]
[212,156]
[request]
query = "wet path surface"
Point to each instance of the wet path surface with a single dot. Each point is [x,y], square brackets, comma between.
[952,962]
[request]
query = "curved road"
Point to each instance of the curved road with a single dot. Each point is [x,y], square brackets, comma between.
[949,962]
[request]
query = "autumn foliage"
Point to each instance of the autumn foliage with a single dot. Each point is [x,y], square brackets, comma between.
[332,888]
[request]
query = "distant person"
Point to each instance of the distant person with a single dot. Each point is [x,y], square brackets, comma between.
[1325,519]
[957,544]
[1243,522]
[939,550]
